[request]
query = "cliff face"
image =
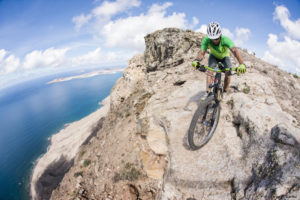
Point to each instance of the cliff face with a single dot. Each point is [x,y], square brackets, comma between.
[141,151]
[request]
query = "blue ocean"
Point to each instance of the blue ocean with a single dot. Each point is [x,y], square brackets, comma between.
[33,111]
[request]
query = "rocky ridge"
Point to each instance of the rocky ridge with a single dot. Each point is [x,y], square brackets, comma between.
[141,150]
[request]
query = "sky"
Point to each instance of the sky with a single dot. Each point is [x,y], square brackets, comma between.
[39,37]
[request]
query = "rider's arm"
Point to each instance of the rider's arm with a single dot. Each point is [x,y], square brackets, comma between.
[204,46]
[236,53]
[200,55]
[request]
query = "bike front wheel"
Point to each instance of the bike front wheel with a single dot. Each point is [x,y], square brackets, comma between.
[204,123]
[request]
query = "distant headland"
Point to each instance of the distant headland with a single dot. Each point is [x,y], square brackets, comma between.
[86,75]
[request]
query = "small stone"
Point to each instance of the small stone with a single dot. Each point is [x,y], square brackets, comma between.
[270,101]
[81,191]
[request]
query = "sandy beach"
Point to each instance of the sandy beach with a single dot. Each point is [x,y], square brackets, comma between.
[64,147]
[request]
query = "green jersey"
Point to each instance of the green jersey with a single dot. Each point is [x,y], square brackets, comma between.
[219,51]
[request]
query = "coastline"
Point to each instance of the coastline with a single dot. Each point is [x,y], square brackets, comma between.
[86,75]
[64,145]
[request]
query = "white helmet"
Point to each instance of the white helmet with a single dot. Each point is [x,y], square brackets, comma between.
[214,30]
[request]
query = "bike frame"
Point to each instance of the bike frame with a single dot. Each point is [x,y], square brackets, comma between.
[216,87]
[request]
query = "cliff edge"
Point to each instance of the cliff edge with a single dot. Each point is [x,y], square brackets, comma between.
[141,150]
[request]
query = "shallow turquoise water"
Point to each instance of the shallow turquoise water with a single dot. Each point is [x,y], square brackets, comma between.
[30,113]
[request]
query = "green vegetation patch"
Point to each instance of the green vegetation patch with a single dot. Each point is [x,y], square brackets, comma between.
[86,162]
[246,89]
[81,153]
[230,103]
[75,193]
[128,172]
[78,174]
[127,114]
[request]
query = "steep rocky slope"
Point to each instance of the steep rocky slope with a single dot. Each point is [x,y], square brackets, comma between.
[141,151]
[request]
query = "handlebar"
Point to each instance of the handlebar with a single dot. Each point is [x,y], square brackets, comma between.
[203,68]
[218,70]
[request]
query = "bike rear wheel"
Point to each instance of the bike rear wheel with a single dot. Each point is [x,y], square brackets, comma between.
[204,123]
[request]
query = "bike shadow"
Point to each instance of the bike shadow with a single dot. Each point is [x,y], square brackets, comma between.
[194,99]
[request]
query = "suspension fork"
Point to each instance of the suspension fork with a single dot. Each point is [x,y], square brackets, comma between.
[217,87]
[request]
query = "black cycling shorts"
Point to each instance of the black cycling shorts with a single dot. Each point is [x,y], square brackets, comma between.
[213,61]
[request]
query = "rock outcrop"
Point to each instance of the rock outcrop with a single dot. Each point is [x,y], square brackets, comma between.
[141,150]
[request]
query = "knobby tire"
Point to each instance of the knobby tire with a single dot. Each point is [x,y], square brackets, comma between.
[198,116]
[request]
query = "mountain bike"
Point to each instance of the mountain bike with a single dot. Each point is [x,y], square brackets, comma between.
[206,117]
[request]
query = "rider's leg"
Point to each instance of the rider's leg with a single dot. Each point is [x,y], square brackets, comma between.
[212,62]
[209,79]
[226,81]
[227,64]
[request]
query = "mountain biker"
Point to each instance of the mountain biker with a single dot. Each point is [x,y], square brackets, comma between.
[219,46]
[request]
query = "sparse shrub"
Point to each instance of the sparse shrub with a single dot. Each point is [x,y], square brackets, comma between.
[133,174]
[81,153]
[86,162]
[249,128]
[116,178]
[295,76]
[246,89]
[78,174]
[128,165]
[119,114]
[278,73]
[265,71]
[75,193]
[230,103]
[129,172]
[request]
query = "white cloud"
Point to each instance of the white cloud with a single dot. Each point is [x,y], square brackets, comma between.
[292,27]
[2,54]
[195,22]
[156,8]
[108,9]
[105,11]
[51,57]
[130,32]
[283,53]
[202,28]
[270,58]
[90,58]
[98,57]
[8,62]
[81,20]
[227,32]
[242,35]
